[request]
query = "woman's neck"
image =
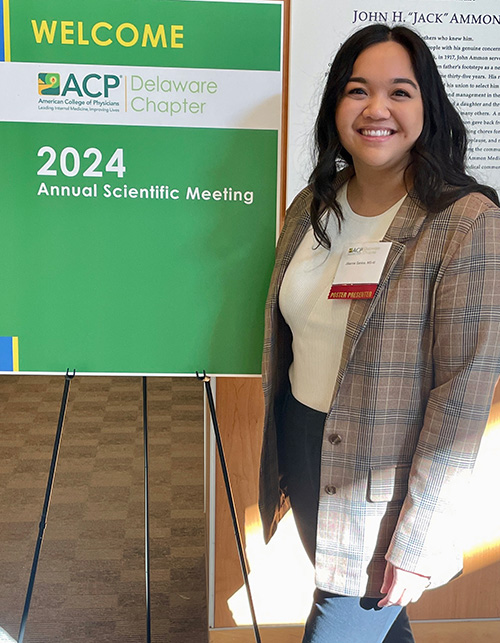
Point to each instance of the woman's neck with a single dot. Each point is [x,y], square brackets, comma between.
[370,195]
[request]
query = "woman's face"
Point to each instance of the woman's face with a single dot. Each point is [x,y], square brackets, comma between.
[380,114]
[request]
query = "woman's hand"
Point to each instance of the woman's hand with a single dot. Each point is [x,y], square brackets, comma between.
[401,587]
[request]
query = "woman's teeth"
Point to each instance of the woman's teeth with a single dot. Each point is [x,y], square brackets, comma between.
[376,132]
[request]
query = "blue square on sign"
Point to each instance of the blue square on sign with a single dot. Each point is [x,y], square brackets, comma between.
[2,39]
[6,354]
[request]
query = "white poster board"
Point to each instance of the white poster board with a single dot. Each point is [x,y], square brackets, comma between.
[464,37]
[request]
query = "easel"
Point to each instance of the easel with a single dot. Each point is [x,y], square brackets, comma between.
[237,534]
[48,494]
[46,504]
[50,485]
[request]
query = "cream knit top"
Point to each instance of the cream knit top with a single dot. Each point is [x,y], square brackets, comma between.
[318,324]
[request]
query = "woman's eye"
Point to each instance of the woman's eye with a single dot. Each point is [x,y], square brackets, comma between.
[357,91]
[402,92]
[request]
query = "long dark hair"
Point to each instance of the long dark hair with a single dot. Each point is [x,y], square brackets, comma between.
[438,156]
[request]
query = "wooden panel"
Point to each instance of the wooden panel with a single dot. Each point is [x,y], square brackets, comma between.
[268,635]
[240,414]
[457,632]
[284,112]
[474,595]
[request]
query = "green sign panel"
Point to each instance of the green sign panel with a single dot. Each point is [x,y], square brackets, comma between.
[218,35]
[138,175]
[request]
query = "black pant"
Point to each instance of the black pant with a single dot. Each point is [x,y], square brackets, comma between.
[299,439]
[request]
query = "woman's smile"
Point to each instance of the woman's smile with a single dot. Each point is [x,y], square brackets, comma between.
[376,133]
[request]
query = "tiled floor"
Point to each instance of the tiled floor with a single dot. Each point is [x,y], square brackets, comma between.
[90,583]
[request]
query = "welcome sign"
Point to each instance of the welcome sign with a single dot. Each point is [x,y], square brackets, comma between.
[138,182]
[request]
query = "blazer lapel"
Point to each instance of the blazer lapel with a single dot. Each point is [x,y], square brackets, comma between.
[406,225]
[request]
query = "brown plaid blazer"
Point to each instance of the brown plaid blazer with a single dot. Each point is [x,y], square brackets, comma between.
[419,365]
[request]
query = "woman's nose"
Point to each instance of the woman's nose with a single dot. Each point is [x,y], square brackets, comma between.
[377,108]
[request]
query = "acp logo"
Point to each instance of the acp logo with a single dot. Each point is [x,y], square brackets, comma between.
[92,85]
[49,84]
[355,251]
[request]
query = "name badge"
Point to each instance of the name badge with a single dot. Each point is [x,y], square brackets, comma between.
[359,271]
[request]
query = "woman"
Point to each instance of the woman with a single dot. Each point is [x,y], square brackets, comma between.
[375,407]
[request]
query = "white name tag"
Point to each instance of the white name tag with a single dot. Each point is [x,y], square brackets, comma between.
[359,271]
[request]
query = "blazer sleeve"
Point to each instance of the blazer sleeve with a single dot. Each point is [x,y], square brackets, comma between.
[466,361]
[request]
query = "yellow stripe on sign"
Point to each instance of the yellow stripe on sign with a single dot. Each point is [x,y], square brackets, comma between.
[6,30]
[15,353]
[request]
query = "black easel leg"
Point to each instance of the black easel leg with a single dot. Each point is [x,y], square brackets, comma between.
[46,504]
[222,458]
[146,505]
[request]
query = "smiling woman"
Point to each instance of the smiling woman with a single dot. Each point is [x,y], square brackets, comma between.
[380,116]
[375,407]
